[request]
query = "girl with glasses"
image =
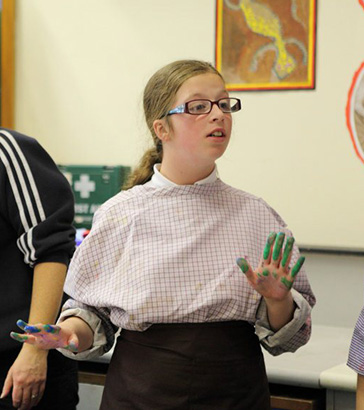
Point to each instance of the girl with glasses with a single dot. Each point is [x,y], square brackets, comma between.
[196,274]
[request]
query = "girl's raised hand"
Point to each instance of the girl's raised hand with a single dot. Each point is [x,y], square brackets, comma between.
[46,337]
[273,279]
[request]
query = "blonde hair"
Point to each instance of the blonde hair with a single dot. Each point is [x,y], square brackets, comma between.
[159,95]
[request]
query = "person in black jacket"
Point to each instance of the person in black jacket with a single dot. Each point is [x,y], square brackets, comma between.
[36,243]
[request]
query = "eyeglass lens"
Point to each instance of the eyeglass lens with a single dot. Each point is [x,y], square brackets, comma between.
[205,106]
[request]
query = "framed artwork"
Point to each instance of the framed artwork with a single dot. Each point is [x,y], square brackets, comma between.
[7,20]
[266,45]
[355,112]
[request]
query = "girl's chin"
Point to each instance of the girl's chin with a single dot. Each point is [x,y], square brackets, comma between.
[217,154]
[220,140]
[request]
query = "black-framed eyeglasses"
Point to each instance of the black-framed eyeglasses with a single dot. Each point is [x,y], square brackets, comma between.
[202,106]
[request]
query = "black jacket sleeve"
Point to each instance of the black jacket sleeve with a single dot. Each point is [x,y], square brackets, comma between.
[39,203]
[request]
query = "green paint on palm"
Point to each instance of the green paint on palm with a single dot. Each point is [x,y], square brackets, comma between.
[278,245]
[268,245]
[265,272]
[286,283]
[287,250]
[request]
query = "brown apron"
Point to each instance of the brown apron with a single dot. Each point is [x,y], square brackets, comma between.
[193,366]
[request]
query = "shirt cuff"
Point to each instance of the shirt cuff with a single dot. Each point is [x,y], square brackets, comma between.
[279,342]
[99,343]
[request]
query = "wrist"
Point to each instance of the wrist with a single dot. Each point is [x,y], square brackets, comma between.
[280,312]
[34,350]
[287,300]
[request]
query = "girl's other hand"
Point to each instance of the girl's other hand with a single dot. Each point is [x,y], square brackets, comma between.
[46,336]
[273,279]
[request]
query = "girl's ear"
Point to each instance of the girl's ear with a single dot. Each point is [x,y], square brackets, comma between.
[161,129]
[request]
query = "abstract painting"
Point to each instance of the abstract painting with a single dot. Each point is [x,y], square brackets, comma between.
[265,44]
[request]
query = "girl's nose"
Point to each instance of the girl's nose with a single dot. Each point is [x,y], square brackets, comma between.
[216,112]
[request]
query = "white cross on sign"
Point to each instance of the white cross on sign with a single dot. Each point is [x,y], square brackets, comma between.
[84,186]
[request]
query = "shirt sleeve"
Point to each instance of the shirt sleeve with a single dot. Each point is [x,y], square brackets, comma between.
[291,336]
[103,332]
[39,200]
[356,351]
[82,287]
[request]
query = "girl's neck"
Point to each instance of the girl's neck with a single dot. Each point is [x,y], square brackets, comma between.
[186,175]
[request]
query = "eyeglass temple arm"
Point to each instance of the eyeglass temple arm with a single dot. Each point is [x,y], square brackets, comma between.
[178,110]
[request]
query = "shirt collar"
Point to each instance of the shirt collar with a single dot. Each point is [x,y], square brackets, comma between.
[160,181]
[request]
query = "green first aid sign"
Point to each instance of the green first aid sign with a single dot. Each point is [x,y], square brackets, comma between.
[92,185]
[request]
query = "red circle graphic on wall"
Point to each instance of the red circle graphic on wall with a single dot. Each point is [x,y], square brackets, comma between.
[361,2]
[355,112]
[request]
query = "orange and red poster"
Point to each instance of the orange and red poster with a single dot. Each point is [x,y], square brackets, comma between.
[355,112]
[266,45]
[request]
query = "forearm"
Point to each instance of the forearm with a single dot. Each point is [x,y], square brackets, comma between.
[48,280]
[280,312]
[47,292]
[360,393]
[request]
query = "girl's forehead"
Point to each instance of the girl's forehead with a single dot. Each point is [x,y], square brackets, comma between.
[202,85]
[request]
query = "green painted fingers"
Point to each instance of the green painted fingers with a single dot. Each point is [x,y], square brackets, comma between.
[268,245]
[296,268]
[18,337]
[287,250]
[243,264]
[278,241]
[278,245]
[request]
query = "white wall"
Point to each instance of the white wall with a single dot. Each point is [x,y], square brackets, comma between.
[338,284]
[81,67]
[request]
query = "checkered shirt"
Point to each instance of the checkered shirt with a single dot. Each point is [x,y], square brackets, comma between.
[168,255]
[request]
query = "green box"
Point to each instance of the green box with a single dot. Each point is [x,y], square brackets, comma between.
[92,185]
